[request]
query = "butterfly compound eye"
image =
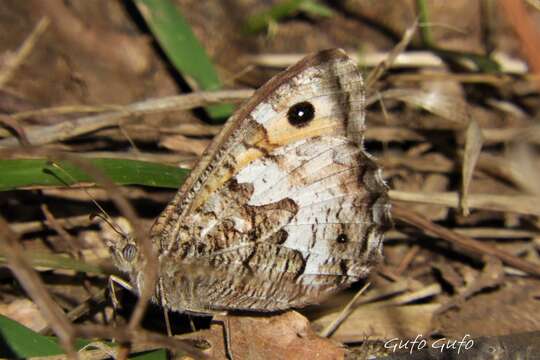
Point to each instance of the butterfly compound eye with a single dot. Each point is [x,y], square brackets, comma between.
[301,114]
[129,251]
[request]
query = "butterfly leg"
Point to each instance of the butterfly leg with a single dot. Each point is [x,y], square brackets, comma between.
[122,283]
[163,302]
[191,323]
[223,320]
[115,280]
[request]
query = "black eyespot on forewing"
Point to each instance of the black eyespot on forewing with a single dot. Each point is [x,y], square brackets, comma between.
[301,114]
[129,252]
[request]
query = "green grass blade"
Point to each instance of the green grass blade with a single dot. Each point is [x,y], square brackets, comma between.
[160,354]
[56,261]
[262,20]
[484,63]
[182,48]
[425,25]
[39,172]
[314,8]
[20,342]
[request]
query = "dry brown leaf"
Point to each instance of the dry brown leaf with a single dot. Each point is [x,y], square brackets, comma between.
[524,167]
[449,274]
[448,107]
[285,336]
[25,312]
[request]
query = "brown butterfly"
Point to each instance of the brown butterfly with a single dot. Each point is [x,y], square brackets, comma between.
[283,209]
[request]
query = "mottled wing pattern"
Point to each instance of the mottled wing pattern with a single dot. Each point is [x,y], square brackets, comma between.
[285,207]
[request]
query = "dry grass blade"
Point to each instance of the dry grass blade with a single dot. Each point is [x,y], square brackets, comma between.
[14,126]
[522,164]
[473,247]
[409,59]
[71,128]
[184,144]
[519,204]
[347,310]
[150,269]
[465,78]
[422,293]
[530,134]
[69,240]
[376,73]
[448,107]
[26,48]
[127,210]
[382,315]
[405,59]
[141,339]
[496,233]
[81,220]
[502,167]
[380,321]
[473,146]
[33,285]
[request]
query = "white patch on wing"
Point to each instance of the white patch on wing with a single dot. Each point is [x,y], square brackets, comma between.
[306,168]
[263,112]
[320,175]
[260,172]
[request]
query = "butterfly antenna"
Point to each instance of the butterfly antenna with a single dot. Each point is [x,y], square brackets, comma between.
[109,222]
[103,215]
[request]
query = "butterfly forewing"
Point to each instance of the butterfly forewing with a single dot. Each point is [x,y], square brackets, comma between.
[285,207]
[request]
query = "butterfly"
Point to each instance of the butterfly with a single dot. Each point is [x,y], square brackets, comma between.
[284,208]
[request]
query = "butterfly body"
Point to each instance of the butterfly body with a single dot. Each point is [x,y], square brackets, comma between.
[284,208]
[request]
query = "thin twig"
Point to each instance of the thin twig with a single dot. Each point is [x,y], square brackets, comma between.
[69,222]
[33,285]
[69,240]
[71,128]
[407,259]
[476,248]
[11,66]
[519,204]
[115,194]
[139,337]
[385,64]
[347,310]
[409,59]
[150,267]
[13,126]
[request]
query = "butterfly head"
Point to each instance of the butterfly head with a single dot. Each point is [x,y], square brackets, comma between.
[125,254]
[122,246]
